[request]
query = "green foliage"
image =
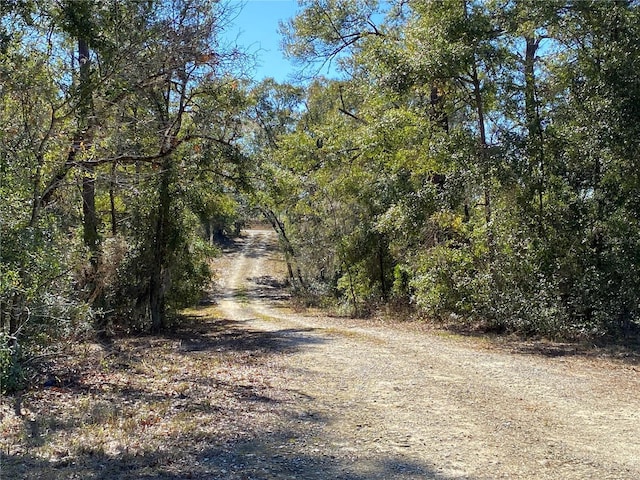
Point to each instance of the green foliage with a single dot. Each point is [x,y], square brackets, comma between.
[448,281]
[128,290]
[39,302]
[111,167]
[480,160]
[11,372]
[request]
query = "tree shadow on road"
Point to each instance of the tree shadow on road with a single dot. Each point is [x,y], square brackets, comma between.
[285,455]
[624,350]
[146,410]
[252,458]
[224,335]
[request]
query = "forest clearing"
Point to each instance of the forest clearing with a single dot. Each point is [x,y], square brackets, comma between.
[250,389]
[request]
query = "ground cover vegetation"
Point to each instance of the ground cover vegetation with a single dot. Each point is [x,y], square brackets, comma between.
[474,161]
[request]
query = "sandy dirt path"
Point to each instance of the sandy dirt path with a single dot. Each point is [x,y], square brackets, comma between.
[374,402]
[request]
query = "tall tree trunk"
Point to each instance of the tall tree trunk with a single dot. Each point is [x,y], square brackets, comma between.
[112,200]
[289,252]
[90,217]
[482,143]
[158,277]
[483,147]
[534,126]
[85,107]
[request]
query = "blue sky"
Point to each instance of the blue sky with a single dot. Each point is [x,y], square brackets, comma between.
[256,29]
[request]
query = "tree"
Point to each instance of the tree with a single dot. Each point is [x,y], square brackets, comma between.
[593,147]
[493,134]
[109,125]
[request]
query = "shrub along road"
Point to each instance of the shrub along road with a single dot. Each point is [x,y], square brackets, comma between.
[249,389]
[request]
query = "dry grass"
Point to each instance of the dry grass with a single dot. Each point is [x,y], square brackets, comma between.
[145,407]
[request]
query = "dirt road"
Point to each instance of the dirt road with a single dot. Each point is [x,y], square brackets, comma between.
[374,402]
[243,388]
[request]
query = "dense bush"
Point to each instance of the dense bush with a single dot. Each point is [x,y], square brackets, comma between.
[478,160]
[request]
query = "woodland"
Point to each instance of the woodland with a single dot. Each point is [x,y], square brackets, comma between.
[474,162]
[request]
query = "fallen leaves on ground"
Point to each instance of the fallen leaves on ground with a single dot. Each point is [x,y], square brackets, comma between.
[160,403]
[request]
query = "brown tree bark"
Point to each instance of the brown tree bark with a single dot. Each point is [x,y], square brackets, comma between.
[158,277]
[534,126]
[85,107]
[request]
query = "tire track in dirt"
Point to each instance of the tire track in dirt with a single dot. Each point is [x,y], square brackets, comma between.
[383,402]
